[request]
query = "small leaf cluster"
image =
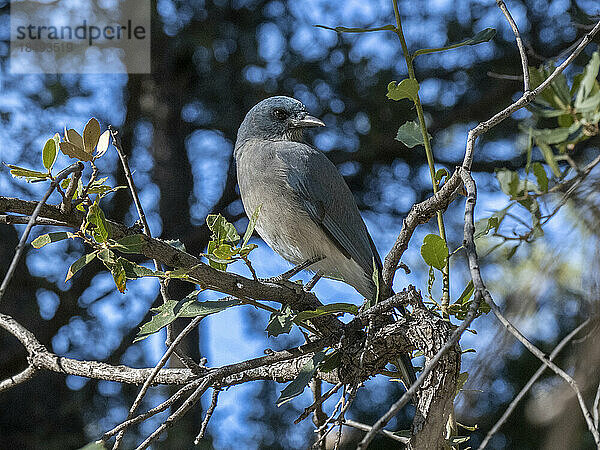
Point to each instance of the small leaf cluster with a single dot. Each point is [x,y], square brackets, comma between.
[223,248]
[564,116]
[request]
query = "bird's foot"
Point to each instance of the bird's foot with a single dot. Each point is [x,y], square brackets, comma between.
[293,271]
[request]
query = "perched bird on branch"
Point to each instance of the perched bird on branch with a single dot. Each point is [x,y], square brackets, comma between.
[308,214]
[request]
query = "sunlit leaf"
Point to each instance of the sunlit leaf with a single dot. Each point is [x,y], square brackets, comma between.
[73,151]
[251,225]
[49,154]
[80,263]
[222,230]
[187,307]
[28,174]
[461,380]
[466,293]
[118,273]
[95,216]
[91,134]
[45,239]
[588,80]
[103,143]
[434,251]
[407,88]
[73,137]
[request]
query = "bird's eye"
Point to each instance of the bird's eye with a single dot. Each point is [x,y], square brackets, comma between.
[280,114]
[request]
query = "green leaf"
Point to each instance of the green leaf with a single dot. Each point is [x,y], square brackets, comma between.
[511,253]
[45,239]
[118,273]
[332,308]
[134,271]
[73,137]
[80,263]
[540,175]
[434,251]
[331,362]
[483,36]
[49,154]
[440,174]
[73,151]
[222,230]
[107,257]
[407,88]
[483,227]
[588,81]
[28,174]
[410,134]
[251,225]
[247,249]
[297,386]
[91,134]
[461,380]
[281,322]
[551,135]
[96,217]
[186,307]
[358,30]
[131,244]
[224,252]
[509,182]
[212,260]
[549,157]
[177,244]
[466,293]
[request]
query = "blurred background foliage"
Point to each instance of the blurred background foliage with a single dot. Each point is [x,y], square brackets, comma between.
[211,62]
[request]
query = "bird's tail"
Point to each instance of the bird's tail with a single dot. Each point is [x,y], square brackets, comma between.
[404,365]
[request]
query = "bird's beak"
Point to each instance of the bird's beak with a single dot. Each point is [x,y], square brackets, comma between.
[307,122]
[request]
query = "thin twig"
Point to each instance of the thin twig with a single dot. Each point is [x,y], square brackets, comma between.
[520,45]
[209,413]
[151,412]
[542,357]
[26,374]
[190,401]
[319,417]
[530,383]
[596,406]
[76,167]
[22,220]
[365,427]
[316,404]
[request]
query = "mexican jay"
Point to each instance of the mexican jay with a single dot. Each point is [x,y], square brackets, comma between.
[307,209]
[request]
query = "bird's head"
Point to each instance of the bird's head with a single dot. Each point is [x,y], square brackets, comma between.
[277,118]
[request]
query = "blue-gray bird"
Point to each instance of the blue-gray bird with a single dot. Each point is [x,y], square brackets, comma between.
[307,210]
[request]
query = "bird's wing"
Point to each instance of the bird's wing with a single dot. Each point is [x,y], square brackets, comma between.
[328,201]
